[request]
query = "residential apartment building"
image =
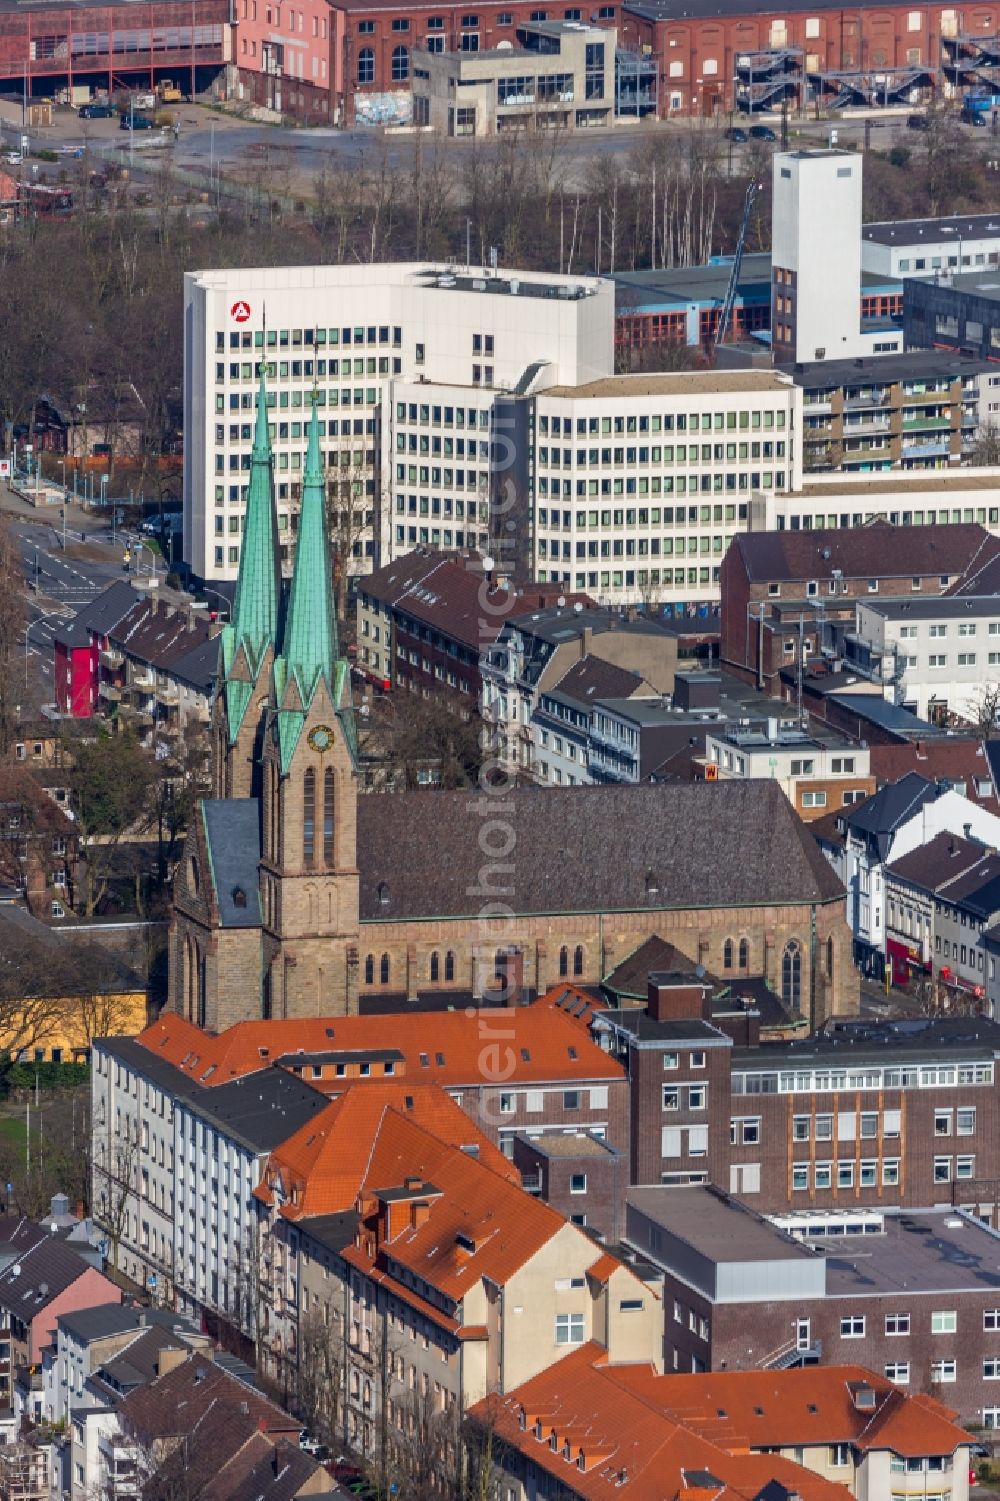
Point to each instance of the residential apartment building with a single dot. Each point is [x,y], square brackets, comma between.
[901,817]
[808,1433]
[816,768]
[775,584]
[940,900]
[891,411]
[932,655]
[478,333]
[425,621]
[452,1283]
[541,1075]
[898,1293]
[557,75]
[135,659]
[175,1163]
[42,1279]
[532,656]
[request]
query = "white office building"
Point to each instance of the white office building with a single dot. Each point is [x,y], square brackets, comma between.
[930,248]
[934,656]
[349,332]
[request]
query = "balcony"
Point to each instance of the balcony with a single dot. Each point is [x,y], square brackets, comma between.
[110,656]
[926,424]
[109,691]
[874,424]
[167,693]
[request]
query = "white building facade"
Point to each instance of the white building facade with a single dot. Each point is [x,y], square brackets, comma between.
[934,656]
[348,332]
[816,256]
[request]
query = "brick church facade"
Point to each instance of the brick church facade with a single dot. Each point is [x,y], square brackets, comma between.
[297,897]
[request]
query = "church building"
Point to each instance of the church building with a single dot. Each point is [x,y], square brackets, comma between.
[299,897]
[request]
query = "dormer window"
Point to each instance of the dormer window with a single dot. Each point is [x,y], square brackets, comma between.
[382,893]
[239,897]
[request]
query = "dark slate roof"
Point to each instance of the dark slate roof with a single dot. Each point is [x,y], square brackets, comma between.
[199,666]
[900,232]
[878,550]
[279,1473]
[48,1265]
[592,678]
[943,858]
[631,976]
[114,1318]
[675,846]
[334,1231]
[259,1111]
[879,816]
[73,633]
[232,833]
[104,612]
[180,1401]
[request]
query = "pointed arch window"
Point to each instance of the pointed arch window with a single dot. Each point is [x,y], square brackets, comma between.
[449,965]
[791,976]
[328,811]
[384,970]
[727,954]
[744,953]
[435,967]
[564,961]
[578,960]
[309,817]
[369,969]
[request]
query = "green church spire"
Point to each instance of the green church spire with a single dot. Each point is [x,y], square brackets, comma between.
[254,623]
[310,652]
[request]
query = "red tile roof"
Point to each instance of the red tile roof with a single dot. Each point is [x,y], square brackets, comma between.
[333,1156]
[950,758]
[605,1430]
[447,1048]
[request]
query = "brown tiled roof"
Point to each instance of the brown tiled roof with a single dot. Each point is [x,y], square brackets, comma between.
[150,633]
[198,1392]
[593,678]
[952,758]
[21,794]
[263,1471]
[592,849]
[878,550]
[942,859]
[631,976]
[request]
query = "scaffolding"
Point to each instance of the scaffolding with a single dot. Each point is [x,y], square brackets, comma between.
[766,79]
[637,84]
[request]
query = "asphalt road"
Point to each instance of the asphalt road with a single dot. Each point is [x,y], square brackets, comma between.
[58,580]
[233,148]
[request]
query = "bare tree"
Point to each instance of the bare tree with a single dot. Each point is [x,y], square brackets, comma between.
[13,619]
[986,449]
[320,1377]
[115,1172]
[983,708]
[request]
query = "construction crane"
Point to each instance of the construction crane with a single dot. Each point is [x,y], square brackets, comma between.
[725,317]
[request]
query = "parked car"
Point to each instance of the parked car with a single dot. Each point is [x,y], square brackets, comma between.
[974,117]
[96,112]
[13,158]
[136,122]
[918,122]
[736,133]
[762,133]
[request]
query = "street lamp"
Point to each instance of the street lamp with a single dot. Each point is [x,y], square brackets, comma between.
[228,607]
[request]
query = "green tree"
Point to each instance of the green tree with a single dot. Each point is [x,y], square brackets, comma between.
[110,783]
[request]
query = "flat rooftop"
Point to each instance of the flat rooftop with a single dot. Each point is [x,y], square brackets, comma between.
[720,1227]
[686,383]
[903,483]
[884,369]
[677,286]
[933,231]
[924,1251]
[849,1042]
[558,1144]
[946,608]
[985,284]
[645,1028]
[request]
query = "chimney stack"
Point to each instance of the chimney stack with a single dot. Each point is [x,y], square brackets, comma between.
[675,997]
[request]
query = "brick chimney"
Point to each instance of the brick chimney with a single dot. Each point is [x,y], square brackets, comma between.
[673,997]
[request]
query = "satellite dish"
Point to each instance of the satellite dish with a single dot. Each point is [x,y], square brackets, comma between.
[578,607]
[15,1270]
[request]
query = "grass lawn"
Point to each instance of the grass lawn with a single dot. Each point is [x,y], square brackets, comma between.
[12,1129]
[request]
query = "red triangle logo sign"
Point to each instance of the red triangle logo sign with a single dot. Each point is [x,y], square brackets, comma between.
[241,312]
